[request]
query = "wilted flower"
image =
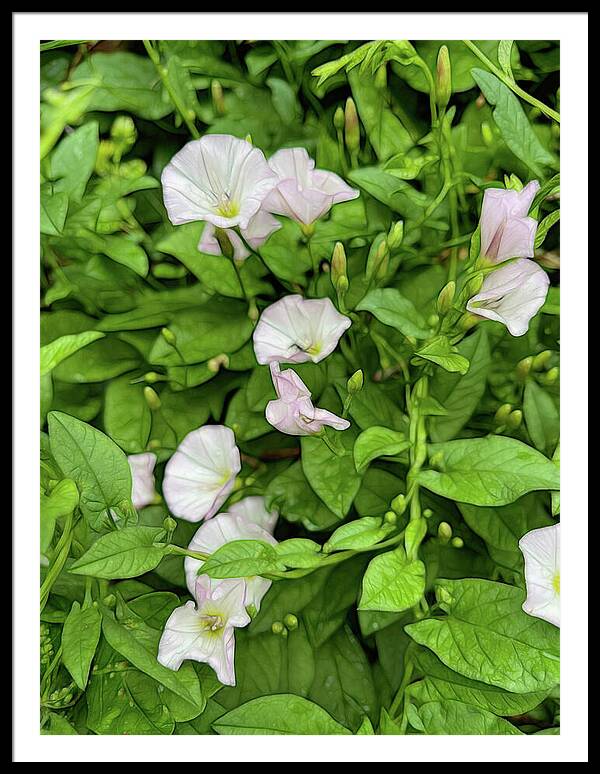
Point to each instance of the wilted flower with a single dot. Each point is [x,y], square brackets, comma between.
[215,533]
[218,178]
[512,294]
[200,475]
[142,476]
[304,193]
[203,630]
[506,231]
[541,551]
[293,412]
[296,329]
[259,229]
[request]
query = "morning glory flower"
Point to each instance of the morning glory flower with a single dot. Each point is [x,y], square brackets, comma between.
[541,551]
[296,329]
[215,533]
[304,193]
[200,476]
[293,412]
[260,228]
[204,630]
[512,294]
[219,179]
[506,231]
[142,476]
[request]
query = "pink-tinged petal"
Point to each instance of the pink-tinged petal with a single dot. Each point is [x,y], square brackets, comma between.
[517,241]
[512,295]
[182,638]
[525,199]
[288,385]
[541,553]
[501,207]
[210,244]
[293,163]
[296,330]
[142,475]
[218,178]
[302,205]
[201,474]
[260,228]
[252,510]
[332,184]
[330,419]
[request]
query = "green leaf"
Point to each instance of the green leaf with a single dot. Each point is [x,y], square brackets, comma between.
[544,226]
[541,417]
[103,359]
[333,477]
[80,637]
[242,559]
[127,417]
[377,442]
[61,502]
[72,163]
[358,534]
[126,553]
[95,463]
[390,307]
[53,212]
[282,714]
[460,394]
[454,717]
[486,636]
[513,123]
[392,583]
[126,252]
[440,351]
[290,493]
[398,195]
[495,470]
[58,350]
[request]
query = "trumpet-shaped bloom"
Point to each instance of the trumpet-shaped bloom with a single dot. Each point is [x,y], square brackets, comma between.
[215,533]
[219,179]
[296,329]
[304,193]
[142,476]
[506,231]
[200,475]
[541,551]
[259,229]
[512,294]
[293,412]
[204,630]
[252,510]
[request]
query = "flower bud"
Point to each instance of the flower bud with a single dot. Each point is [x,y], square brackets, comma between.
[390,517]
[216,92]
[169,524]
[277,627]
[524,367]
[437,461]
[215,363]
[378,258]
[514,419]
[503,413]
[355,382]
[352,130]
[433,320]
[467,321]
[110,600]
[457,542]
[152,377]
[291,621]
[152,398]
[338,264]
[153,444]
[427,513]
[168,336]
[395,234]
[551,377]
[104,155]
[224,243]
[133,169]
[444,531]
[443,83]
[123,133]
[339,119]
[541,360]
[513,183]
[445,298]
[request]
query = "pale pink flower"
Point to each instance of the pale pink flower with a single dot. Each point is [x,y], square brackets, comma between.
[506,231]
[260,228]
[252,510]
[293,412]
[200,476]
[142,477]
[304,193]
[541,552]
[222,529]
[296,329]
[512,294]
[204,630]
[219,179]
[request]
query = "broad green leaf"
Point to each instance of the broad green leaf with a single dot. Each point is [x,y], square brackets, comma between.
[126,553]
[541,417]
[398,195]
[455,717]
[486,636]
[290,493]
[243,558]
[390,307]
[58,350]
[96,464]
[299,553]
[440,351]
[127,417]
[73,161]
[61,502]
[53,212]
[126,252]
[103,359]
[283,714]
[392,583]
[495,470]
[374,406]
[377,442]
[80,637]
[358,534]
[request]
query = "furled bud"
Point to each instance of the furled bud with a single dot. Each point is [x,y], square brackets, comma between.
[291,621]
[503,413]
[168,336]
[152,377]
[514,419]
[378,258]
[524,367]
[427,513]
[443,82]
[224,242]
[390,517]
[457,542]
[338,264]
[169,524]
[277,627]
[124,134]
[399,504]
[446,297]
[218,100]
[339,119]
[467,321]
[215,363]
[541,360]
[551,377]
[444,531]
[355,382]
[152,398]
[352,130]
[395,234]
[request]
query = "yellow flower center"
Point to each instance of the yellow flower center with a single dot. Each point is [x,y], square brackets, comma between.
[556,583]
[315,348]
[227,207]
[211,623]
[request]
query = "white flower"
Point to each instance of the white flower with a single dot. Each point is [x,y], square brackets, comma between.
[541,551]
[142,476]
[296,329]
[260,228]
[293,412]
[200,475]
[304,193]
[506,230]
[219,179]
[203,631]
[224,528]
[252,510]
[512,294]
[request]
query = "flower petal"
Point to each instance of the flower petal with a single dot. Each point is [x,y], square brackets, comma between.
[142,475]
[541,552]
